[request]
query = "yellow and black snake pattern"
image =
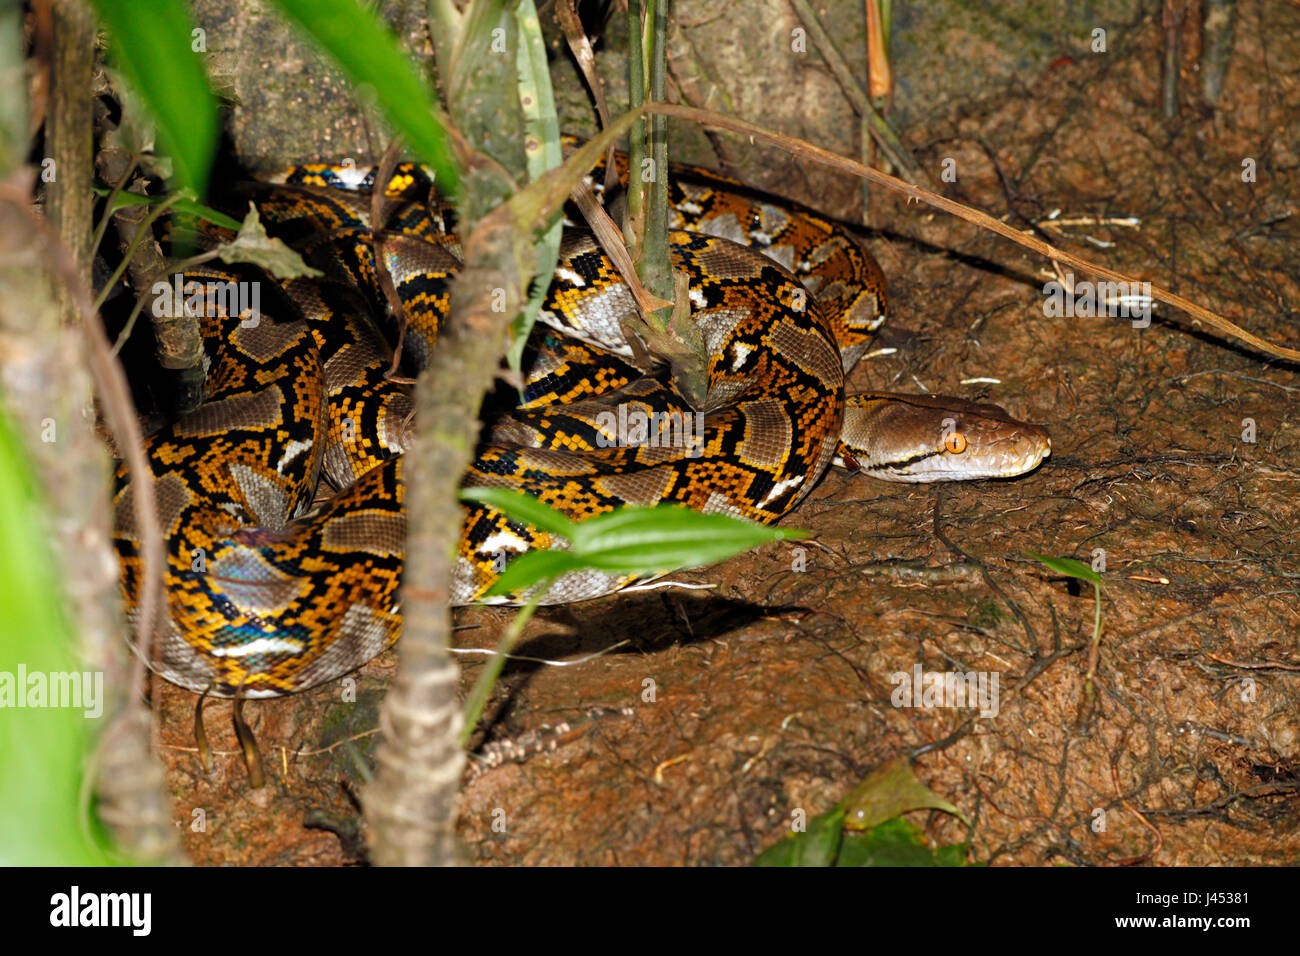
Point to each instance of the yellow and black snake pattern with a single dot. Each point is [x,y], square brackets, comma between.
[281,495]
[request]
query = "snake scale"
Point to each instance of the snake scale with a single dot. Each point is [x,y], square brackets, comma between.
[281,495]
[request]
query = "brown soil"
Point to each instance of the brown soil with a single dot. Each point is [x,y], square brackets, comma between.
[772,692]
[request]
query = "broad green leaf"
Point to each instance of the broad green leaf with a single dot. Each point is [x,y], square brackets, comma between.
[1067,566]
[42,749]
[817,846]
[151,44]
[253,245]
[866,828]
[534,567]
[368,53]
[896,843]
[522,508]
[888,792]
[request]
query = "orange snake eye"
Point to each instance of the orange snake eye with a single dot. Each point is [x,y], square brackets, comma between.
[955,442]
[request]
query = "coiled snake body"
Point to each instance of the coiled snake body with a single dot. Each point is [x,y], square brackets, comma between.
[269,594]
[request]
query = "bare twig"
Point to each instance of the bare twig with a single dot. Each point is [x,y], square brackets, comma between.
[1198,315]
[69,201]
[567,15]
[881,131]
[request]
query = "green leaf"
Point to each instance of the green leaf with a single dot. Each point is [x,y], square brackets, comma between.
[150,43]
[42,749]
[370,54]
[252,244]
[889,791]
[185,205]
[626,541]
[1067,566]
[542,132]
[534,567]
[523,508]
[816,846]
[538,205]
[897,843]
[866,828]
[665,538]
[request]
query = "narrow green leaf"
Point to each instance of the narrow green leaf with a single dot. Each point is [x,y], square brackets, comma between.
[368,53]
[151,45]
[533,567]
[185,205]
[648,540]
[542,152]
[538,205]
[1067,566]
[522,508]
[627,541]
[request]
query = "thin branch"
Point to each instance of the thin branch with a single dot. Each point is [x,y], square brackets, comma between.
[142,232]
[580,46]
[118,186]
[110,384]
[1198,315]
[879,127]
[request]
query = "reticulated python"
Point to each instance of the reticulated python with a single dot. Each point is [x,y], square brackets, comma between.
[281,495]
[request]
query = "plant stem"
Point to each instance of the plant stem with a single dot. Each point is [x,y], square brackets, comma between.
[634,221]
[653,265]
[487,680]
[1094,655]
[143,231]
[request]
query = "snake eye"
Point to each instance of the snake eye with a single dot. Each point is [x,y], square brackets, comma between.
[955,442]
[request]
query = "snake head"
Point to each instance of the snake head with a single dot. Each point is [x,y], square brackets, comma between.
[923,438]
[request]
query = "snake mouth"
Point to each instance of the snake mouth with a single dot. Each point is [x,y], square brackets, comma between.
[1028,454]
[1001,469]
[1013,449]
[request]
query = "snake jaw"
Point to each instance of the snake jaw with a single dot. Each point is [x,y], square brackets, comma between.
[1008,449]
